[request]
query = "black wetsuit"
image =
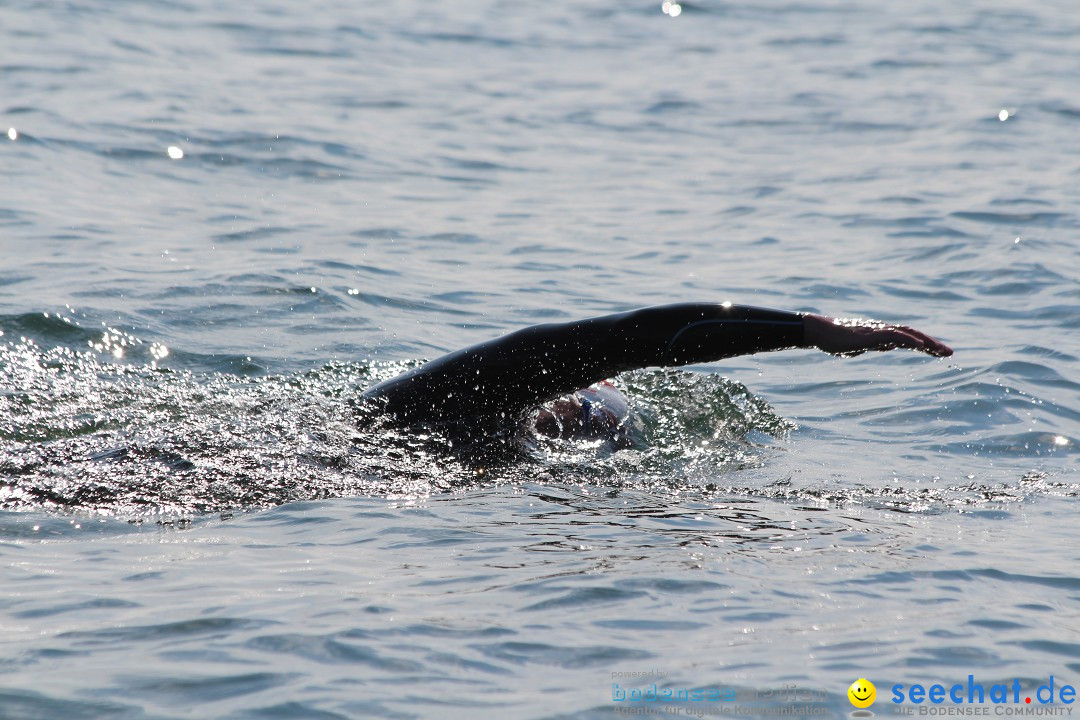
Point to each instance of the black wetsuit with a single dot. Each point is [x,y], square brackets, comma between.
[494,384]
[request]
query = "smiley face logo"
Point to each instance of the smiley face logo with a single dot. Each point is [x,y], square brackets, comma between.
[862,693]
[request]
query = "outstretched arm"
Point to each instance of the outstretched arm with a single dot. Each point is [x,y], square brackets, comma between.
[496,381]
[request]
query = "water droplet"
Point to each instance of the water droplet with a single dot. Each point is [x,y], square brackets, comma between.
[12,134]
[175,153]
[1003,115]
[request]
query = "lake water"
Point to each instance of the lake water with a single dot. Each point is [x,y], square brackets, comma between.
[220,223]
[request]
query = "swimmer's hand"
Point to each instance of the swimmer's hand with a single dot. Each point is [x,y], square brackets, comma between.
[855,336]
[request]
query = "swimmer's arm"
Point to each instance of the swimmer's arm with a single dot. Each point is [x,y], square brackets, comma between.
[507,376]
[699,333]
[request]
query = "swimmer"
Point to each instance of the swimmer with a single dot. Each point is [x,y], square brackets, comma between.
[500,384]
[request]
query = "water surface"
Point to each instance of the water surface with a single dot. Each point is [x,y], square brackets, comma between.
[193,525]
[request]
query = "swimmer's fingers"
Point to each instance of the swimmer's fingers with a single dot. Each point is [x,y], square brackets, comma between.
[913,339]
[853,337]
[891,337]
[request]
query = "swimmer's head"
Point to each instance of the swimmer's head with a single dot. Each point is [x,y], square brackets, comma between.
[598,412]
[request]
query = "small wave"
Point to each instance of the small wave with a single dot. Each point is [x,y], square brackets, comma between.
[1036,219]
